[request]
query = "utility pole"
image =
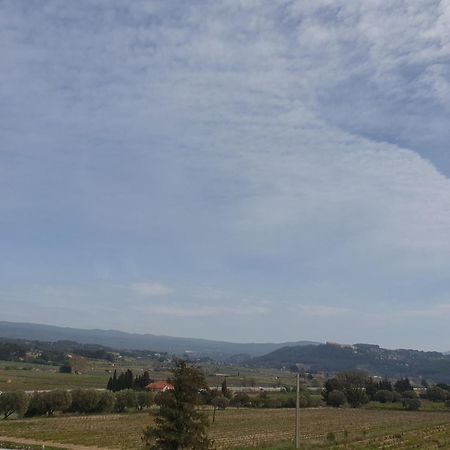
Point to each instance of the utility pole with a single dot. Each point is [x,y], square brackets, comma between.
[297,414]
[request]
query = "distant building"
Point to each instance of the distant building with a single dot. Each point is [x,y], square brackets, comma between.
[159,386]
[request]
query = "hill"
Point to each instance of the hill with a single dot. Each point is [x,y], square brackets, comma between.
[332,357]
[218,350]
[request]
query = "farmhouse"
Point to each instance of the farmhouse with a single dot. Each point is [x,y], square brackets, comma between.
[159,386]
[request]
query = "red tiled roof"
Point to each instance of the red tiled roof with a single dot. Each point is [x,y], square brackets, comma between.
[159,386]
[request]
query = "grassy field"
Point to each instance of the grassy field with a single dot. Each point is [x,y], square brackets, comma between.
[28,376]
[320,428]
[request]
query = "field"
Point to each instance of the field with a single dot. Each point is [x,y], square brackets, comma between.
[320,428]
[28,376]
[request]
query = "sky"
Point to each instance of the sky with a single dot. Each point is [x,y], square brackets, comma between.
[243,170]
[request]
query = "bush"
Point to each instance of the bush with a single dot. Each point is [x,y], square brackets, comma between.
[437,394]
[49,402]
[57,401]
[241,399]
[37,405]
[65,369]
[384,396]
[125,399]
[336,398]
[13,403]
[220,402]
[411,404]
[85,400]
[106,401]
[410,401]
[409,394]
[356,397]
[144,400]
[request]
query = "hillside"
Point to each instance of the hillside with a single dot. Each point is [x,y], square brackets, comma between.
[371,358]
[218,350]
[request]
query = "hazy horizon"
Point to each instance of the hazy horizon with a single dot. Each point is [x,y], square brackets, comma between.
[441,350]
[240,171]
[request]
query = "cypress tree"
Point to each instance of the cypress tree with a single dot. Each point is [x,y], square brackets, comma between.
[178,423]
[114,384]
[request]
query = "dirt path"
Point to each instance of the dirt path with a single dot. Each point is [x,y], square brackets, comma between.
[20,441]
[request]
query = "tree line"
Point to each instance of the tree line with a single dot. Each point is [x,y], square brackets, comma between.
[357,388]
[83,401]
[127,380]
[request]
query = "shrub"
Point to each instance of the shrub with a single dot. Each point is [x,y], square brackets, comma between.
[125,399]
[437,394]
[49,402]
[384,396]
[144,400]
[336,398]
[410,401]
[411,404]
[106,401]
[220,402]
[57,401]
[13,403]
[85,400]
[241,399]
[37,405]
[356,397]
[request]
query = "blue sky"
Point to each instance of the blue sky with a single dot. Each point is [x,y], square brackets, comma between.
[240,170]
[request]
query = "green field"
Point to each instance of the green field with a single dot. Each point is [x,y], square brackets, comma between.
[320,428]
[29,376]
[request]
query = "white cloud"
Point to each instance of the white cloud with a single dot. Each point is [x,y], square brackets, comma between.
[256,145]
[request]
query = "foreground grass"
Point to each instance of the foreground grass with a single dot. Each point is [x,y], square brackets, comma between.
[320,428]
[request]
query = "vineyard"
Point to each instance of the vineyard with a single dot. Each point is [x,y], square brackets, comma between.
[349,428]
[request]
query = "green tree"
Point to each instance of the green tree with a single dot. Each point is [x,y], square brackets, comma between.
[126,399]
[225,391]
[241,399]
[58,400]
[144,399]
[13,403]
[220,402]
[356,397]
[106,401]
[403,385]
[410,401]
[336,398]
[49,402]
[37,406]
[179,424]
[384,396]
[85,400]
[332,384]
[437,394]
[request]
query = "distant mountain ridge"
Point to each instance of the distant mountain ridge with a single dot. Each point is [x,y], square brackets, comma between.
[121,340]
[332,357]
